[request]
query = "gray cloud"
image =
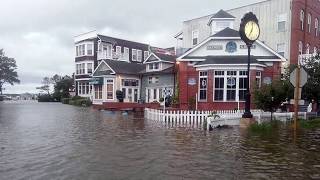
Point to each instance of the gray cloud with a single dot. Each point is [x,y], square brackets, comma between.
[39,33]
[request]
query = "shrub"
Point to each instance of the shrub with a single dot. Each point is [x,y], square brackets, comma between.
[1,98]
[65,100]
[45,98]
[81,102]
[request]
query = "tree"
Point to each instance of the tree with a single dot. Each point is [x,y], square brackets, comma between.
[270,97]
[62,87]
[311,91]
[8,73]
[46,81]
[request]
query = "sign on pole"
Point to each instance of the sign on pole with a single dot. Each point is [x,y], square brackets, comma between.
[303,77]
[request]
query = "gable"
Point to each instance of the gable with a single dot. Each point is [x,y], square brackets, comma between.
[152,58]
[103,69]
[229,47]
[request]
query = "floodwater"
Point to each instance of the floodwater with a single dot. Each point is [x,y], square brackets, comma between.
[55,141]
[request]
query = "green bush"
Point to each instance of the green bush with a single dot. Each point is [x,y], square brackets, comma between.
[81,102]
[45,98]
[65,100]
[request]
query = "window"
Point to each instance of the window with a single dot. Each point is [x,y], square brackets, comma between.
[203,79]
[134,55]
[231,85]
[218,85]
[83,69]
[126,53]
[315,50]
[156,66]
[242,87]
[153,80]
[90,49]
[300,47]
[258,79]
[77,50]
[89,68]
[302,20]
[84,88]
[139,55]
[281,48]
[130,82]
[118,50]
[309,22]
[153,66]
[77,68]
[109,89]
[146,54]
[308,49]
[316,27]
[154,93]
[107,48]
[195,36]
[282,22]
[98,91]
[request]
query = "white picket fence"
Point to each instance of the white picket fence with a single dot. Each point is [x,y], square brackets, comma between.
[195,118]
[226,117]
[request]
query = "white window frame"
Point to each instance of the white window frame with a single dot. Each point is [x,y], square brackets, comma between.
[308,48]
[309,22]
[195,35]
[316,27]
[302,19]
[98,92]
[134,52]
[203,75]
[118,50]
[145,54]
[82,49]
[139,55]
[126,53]
[106,92]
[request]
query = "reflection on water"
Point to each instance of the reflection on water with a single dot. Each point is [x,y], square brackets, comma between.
[55,141]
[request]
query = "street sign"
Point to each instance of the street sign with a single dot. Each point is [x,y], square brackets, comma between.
[303,77]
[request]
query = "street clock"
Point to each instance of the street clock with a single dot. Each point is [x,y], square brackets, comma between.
[249,28]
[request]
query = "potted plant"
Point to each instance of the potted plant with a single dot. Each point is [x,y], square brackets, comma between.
[119,95]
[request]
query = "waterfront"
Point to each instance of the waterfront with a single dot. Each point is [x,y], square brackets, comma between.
[55,141]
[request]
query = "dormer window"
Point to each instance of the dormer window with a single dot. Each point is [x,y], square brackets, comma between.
[154,66]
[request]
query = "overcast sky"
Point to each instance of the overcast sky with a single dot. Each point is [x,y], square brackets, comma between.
[39,33]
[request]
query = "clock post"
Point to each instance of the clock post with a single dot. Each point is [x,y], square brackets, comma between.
[249,33]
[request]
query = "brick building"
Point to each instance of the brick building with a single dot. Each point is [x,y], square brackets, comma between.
[214,72]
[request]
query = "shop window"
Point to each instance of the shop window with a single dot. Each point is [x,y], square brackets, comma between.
[203,82]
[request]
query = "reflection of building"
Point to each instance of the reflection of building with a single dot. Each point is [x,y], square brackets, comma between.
[287,26]
[215,69]
[105,65]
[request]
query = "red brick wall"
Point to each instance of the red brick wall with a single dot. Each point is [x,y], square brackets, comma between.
[187,91]
[309,6]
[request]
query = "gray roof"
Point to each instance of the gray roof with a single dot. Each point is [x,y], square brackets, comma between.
[228,60]
[227,32]
[166,57]
[221,15]
[122,67]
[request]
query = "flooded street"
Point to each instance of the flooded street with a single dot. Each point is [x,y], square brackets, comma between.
[55,141]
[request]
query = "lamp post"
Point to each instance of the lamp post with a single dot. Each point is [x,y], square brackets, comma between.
[272,99]
[249,33]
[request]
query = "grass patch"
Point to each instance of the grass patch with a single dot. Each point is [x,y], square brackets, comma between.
[265,127]
[310,124]
[77,101]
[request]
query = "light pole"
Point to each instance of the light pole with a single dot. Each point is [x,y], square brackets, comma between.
[249,33]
